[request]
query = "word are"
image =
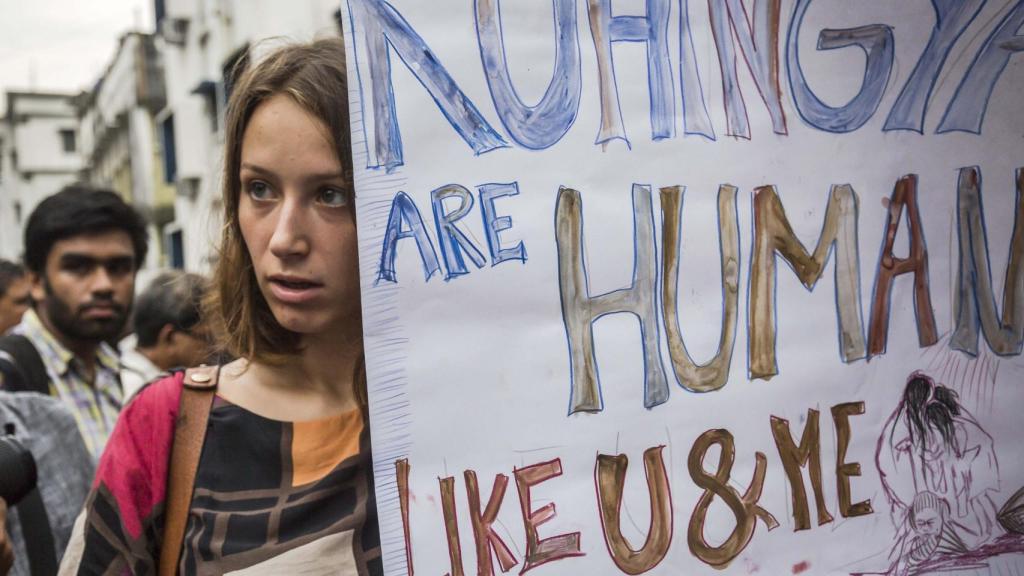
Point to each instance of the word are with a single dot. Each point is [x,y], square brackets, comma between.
[405,221]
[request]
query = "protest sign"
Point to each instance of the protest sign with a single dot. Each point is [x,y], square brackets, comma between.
[669,287]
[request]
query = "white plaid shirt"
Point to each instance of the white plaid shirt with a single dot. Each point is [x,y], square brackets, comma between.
[95,405]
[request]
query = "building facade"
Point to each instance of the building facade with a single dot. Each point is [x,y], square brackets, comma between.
[39,155]
[120,142]
[152,128]
[205,43]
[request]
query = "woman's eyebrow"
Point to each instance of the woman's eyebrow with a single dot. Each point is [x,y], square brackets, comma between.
[255,168]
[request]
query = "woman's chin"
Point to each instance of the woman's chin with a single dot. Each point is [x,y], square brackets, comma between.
[300,323]
[315,322]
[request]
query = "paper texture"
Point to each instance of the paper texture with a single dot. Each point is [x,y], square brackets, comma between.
[669,287]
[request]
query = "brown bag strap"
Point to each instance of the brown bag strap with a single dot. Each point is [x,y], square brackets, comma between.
[189,432]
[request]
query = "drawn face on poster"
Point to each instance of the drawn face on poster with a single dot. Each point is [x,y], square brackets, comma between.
[653,286]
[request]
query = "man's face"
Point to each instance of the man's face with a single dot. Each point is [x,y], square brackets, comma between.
[928,522]
[85,292]
[15,301]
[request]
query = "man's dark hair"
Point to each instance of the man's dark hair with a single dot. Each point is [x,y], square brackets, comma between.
[9,272]
[173,298]
[79,210]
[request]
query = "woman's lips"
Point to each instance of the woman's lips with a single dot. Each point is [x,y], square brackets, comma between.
[294,291]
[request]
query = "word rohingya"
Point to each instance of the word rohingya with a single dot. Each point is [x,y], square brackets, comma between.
[610,478]
[380,28]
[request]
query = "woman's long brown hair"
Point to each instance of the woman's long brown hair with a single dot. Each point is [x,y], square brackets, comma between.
[314,75]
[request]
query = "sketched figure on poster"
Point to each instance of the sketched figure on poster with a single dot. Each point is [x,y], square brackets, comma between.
[933,444]
[929,533]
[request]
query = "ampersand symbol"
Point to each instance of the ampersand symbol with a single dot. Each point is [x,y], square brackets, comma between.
[744,507]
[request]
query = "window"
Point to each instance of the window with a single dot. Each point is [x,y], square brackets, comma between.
[233,68]
[159,11]
[170,157]
[207,90]
[176,250]
[188,187]
[67,140]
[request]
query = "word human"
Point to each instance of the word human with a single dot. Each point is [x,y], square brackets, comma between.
[974,305]
[380,28]
[715,481]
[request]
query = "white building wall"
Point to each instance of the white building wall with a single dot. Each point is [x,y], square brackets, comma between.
[34,163]
[257,20]
[8,222]
[32,104]
[118,89]
[86,136]
[120,144]
[35,189]
[26,193]
[192,130]
[140,141]
[39,145]
[118,119]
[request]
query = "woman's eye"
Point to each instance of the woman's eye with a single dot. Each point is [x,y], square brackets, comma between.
[332,197]
[258,190]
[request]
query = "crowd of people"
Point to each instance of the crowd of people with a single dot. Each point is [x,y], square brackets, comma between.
[149,462]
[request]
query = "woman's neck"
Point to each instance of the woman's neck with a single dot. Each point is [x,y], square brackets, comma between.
[326,365]
[316,383]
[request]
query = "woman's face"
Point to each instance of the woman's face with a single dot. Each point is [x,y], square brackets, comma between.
[297,221]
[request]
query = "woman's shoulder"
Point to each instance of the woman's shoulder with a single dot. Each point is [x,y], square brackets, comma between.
[157,401]
[165,390]
[146,421]
[132,474]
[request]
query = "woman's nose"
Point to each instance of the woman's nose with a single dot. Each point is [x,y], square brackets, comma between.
[290,231]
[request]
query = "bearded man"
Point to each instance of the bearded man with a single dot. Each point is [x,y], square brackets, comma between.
[83,247]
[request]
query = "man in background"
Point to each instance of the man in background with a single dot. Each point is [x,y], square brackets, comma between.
[14,294]
[169,330]
[59,380]
[83,247]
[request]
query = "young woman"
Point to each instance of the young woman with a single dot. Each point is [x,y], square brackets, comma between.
[284,480]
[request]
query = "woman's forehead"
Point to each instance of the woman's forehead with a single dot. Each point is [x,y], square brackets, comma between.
[280,129]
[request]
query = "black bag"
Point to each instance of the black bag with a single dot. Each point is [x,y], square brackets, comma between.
[28,370]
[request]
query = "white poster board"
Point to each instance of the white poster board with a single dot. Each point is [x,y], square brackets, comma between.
[665,286]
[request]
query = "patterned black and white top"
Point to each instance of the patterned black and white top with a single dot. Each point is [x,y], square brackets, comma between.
[270,497]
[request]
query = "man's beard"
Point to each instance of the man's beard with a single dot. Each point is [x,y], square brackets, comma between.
[73,327]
